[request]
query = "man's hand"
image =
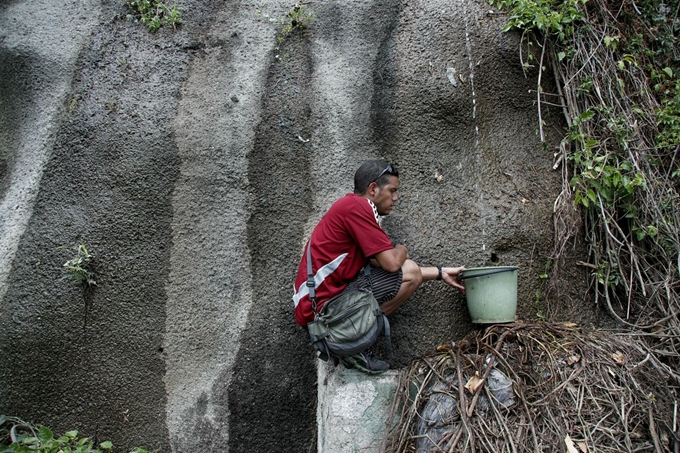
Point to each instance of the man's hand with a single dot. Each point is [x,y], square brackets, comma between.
[450,276]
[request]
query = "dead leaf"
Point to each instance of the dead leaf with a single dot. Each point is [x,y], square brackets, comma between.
[573,359]
[582,446]
[570,324]
[474,383]
[571,448]
[657,329]
[619,358]
[438,176]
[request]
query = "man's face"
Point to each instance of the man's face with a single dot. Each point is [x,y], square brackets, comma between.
[385,198]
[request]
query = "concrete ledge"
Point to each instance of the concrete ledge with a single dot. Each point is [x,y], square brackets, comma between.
[353,409]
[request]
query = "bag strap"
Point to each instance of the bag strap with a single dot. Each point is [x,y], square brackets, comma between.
[310,276]
[367,273]
[384,325]
[322,346]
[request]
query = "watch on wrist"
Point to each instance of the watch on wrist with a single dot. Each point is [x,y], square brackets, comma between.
[439,275]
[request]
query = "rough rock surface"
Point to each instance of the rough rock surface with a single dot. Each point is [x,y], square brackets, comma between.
[193,163]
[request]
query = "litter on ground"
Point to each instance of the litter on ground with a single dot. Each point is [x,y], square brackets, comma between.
[536,387]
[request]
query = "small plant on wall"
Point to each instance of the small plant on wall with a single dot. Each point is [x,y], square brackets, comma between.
[298,18]
[80,268]
[154,13]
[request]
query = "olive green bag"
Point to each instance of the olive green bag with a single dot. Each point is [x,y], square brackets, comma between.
[347,324]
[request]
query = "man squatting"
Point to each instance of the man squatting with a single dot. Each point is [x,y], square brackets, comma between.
[347,237]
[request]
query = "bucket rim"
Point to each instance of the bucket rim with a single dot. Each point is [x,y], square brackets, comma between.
[509,268]
[484,271]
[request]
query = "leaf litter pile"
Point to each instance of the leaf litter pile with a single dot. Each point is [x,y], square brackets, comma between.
[536,387]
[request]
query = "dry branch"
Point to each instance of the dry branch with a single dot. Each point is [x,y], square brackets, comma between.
[594,386]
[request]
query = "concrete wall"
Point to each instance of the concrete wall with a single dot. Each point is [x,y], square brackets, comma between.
[194,163]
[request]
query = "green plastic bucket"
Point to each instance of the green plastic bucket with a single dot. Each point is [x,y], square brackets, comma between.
[491,293]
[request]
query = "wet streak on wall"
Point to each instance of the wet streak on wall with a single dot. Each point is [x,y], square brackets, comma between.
[383,113]
[20,77]
[273,390]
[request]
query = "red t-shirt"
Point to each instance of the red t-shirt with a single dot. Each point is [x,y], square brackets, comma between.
[343,241]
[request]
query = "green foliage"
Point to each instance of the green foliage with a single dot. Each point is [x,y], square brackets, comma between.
[607,274]
[600,176]
[298,18]
[79,268]
[656,48]
[74,102]
[617,69]
[537,306]
[600,181]
[155,14]
[669,121]
[28,439]
[551,17]
[17,436]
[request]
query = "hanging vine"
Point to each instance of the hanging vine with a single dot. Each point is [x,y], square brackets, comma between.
[617,68]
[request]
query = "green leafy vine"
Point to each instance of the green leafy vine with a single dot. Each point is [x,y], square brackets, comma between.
[617,68]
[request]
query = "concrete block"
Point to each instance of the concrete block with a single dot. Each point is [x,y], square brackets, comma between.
[353,409]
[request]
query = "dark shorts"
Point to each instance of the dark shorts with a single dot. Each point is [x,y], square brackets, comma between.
[384,285]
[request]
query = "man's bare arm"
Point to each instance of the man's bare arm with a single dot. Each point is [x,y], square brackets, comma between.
[392,260]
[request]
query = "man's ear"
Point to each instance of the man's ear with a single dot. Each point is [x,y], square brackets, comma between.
[372,189]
